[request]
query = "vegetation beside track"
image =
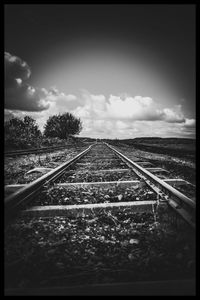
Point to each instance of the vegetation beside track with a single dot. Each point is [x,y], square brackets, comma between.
[15,168]
[177,147]
[179,166]
[21,134]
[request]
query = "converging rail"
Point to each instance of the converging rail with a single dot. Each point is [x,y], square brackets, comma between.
[178,201]
[15,200]
[100,220]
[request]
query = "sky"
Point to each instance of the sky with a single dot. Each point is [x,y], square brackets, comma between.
[125,70]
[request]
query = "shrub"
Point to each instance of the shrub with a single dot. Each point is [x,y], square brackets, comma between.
[62,126]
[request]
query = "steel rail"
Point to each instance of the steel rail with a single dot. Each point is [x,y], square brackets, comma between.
[180,199]
[14,201]
[33,150]
[179,287]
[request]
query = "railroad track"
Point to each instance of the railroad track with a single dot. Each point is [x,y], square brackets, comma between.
[97,202]
[33,151]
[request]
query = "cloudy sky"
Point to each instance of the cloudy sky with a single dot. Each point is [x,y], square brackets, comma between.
[126,70]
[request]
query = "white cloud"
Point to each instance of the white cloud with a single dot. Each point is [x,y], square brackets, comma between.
[174,115]
[126,108]
[127,116]
[190,123]
[71,97]
[118,116]
[19,95]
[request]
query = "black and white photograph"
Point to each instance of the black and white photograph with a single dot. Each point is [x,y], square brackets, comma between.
[100,149]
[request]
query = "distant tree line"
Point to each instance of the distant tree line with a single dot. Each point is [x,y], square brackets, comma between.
[25,133]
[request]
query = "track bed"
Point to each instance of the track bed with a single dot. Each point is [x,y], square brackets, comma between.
[135,238]
[88,194]
[107,247]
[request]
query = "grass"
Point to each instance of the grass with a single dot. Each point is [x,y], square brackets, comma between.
[179,166]
[178,147]
[15,169]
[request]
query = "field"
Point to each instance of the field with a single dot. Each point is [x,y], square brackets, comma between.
[16,168]
[177,147]
[174,155]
